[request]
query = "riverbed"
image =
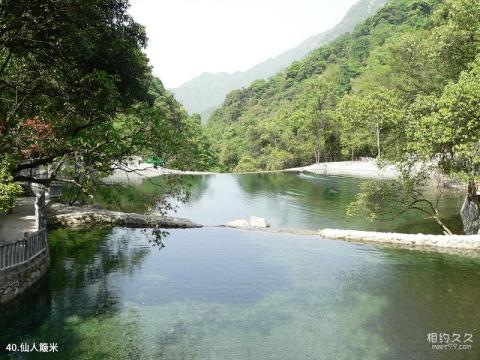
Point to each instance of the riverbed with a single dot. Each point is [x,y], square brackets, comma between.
[218,293]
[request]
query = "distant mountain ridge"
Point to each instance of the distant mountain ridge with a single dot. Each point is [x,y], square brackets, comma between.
[204,93]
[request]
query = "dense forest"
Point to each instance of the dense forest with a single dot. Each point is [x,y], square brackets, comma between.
[404,82]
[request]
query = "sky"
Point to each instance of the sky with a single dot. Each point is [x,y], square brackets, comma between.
[189,37]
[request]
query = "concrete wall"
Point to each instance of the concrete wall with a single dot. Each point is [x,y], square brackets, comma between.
[16,280]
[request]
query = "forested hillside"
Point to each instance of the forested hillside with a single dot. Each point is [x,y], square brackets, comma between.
[206,92]
[405,81]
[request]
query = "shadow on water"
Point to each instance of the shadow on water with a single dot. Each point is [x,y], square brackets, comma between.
[286,200]
[318,201]
[142,197]
[217,292]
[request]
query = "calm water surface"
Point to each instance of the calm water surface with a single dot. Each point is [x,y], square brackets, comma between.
[217,293]
[298,201]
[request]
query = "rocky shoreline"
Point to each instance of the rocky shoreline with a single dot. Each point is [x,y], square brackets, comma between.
[461,242]
[367,168]
[59,215]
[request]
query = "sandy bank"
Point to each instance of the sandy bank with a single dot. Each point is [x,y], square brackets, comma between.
[136,172]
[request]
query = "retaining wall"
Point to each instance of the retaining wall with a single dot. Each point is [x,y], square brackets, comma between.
[16,280]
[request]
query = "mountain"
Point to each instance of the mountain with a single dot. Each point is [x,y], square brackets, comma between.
[312,110]
[207,91]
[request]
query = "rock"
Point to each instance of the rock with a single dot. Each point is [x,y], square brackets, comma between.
[258,222]
[470,214]
[240,223]
[86,216]
[466,242]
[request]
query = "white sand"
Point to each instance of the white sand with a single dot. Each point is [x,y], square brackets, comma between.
[136,172]
[364,168]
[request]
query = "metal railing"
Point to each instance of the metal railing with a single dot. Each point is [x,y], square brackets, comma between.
[55,190]
[23,251]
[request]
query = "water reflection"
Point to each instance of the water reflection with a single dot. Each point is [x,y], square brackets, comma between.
[298,201]
[145,195]
[286,200]
[80,288]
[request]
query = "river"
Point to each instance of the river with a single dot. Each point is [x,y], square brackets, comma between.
[219,293]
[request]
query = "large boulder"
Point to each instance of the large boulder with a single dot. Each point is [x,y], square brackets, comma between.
[240,223]
[258,222]
[255,222]
[470,214]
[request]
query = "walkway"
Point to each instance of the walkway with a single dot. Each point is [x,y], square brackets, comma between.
[22,219]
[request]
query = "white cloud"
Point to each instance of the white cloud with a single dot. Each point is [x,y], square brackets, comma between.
[188,37]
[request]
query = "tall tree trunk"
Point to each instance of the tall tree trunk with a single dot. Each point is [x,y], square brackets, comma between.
[39,191]
[439,221]
[377,131]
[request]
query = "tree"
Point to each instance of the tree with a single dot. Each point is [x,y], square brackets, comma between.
[455,41]
[447,133]
[8,189]
[323,96]
[380,199]
[368,120]
[77,96]
[68,69]
[436,73]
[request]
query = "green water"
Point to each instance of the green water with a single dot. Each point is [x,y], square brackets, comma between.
[287,201]
[217,293]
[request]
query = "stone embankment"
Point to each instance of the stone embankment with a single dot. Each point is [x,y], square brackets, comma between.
[462,242]
[59,215]
[16,280]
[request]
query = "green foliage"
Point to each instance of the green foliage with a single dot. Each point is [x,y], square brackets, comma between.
[372,120]
[206,92]
[246,164]
[385,200]
[77,94]
[326,106]
[67,70]
[404,86]
[374,199]
[164,131]
[449,127]
[8,189]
